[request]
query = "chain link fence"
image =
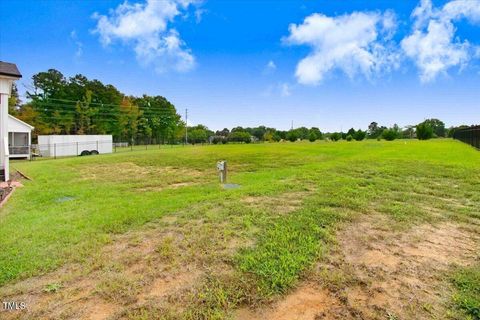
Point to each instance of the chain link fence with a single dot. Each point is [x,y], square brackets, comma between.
[72,149]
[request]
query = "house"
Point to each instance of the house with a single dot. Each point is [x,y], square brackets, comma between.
[8,73]
[19,138]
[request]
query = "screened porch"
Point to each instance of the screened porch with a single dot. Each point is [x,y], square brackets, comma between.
[19,144]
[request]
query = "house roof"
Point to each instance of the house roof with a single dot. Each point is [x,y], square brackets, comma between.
[9,69]
[20,121]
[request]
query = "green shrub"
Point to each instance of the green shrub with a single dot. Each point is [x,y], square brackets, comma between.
[424,131]
[359,135]
[317,132]
[349,138]
[197,136]
[335,136]
[312,137]
[218,139]
[390,134]
[240,136]
[292,135]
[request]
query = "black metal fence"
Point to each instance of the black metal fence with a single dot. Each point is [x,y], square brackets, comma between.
[84,148]
[469,135]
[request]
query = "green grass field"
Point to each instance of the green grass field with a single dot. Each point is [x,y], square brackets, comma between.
[293,198]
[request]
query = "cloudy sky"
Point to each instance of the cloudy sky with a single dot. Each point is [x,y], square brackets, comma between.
[330,64]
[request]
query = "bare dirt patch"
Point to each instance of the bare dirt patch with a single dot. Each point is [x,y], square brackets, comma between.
[283,203]
[307,302]
[379,273]
[131,171]
[403,273]
[100,311]
[169,285]
[140,268]
[170,186]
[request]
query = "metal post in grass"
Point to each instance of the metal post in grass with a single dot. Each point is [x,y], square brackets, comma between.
[222,170]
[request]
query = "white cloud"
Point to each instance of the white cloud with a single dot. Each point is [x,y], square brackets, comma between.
[285,90]
[78,44]
[271,65]
[282,89]
[457,9]
[199,12]
[422,13]
[269,68]
[357,43]
[432,45]
[147,28]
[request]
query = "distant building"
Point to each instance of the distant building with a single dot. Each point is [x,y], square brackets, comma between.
[19,138]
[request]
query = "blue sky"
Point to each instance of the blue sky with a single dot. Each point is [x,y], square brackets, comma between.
[329,64]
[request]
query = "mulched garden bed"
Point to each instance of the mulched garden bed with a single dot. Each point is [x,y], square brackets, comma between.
[7,188]
[4,192]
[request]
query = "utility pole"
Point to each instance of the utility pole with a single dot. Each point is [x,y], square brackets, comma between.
[186,126]
[292,125]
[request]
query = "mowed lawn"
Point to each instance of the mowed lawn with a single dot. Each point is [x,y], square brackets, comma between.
[292,199]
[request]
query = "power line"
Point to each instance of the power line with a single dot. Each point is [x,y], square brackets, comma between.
[142,106]
[64,109]
[101,117]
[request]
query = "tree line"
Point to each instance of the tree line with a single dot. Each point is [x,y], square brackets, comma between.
[430,128]
[76,105]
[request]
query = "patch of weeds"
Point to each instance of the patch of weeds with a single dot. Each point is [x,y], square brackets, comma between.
[336,278]
[118,288]
[207,243]
[131,259]
[149,313]
[52,287]
[467,296]
[391,316]
[428,308]
[166,249]
[217,296]
[404,212]
[135,241]
[287,248]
